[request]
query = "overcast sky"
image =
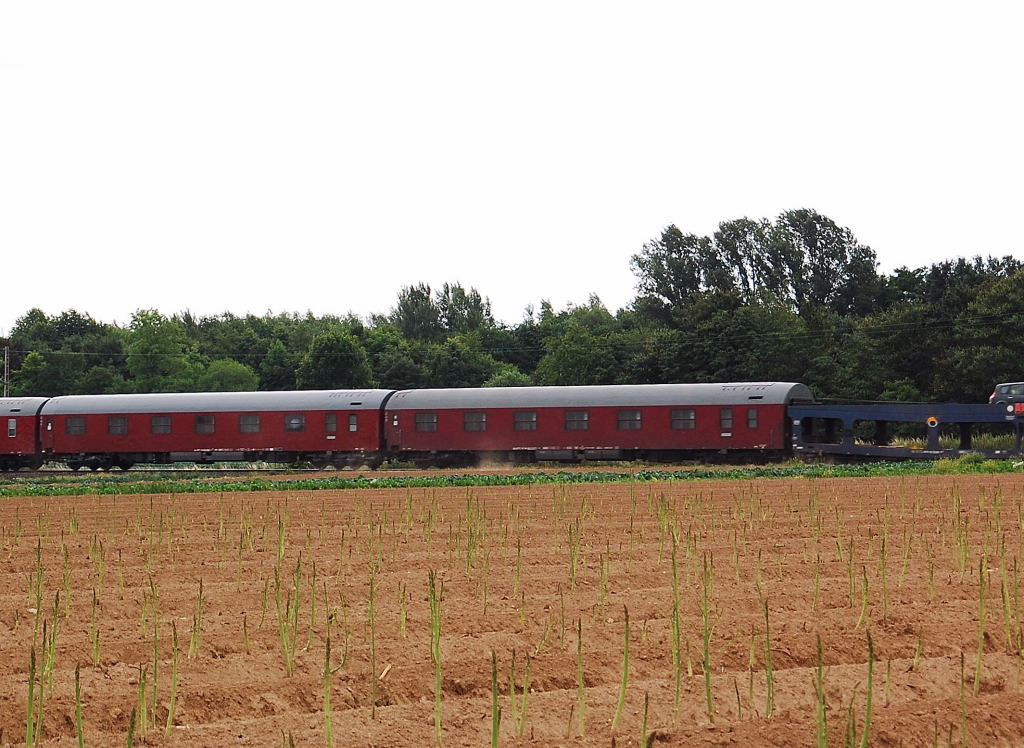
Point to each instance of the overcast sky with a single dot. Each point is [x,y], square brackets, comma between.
[306,156]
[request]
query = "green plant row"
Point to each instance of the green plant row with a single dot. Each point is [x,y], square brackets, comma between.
[133,484]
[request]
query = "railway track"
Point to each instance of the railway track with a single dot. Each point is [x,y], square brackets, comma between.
[142,473]
[176,472]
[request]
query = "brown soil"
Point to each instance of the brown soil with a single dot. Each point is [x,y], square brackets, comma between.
[504,558]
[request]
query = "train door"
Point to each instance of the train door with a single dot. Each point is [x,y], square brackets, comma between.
[394,429]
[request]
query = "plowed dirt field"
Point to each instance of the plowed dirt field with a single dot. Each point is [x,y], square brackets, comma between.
[205,619]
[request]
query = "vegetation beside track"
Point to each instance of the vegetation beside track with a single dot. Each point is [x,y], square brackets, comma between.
[156,483]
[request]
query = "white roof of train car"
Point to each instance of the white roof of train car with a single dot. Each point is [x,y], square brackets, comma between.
[217,402]
[732,393]
[24,405]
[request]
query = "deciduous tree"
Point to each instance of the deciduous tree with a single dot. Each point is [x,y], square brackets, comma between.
[335,360]
[161,358]
[227,375]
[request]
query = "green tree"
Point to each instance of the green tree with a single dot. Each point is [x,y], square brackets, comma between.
[461,311]
[753,343]
[756,264]
[105,348]
[243,339]
[641,349]
[100,380]
[161,358]
[901,390]
[34,331]
[459,362]
[827,266]
[803,259]
[398,364]
[44,374]
[987,344]
[74,344]
[277,369]
[522,345]
[405,367]
[228,375]
[508,375]
[335,360]
[71,324]
[904,342]
[581,345]
[577,356]
[953,284]
[416,315]
[670,270]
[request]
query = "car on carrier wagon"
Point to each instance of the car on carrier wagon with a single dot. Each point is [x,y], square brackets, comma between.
[1007,393]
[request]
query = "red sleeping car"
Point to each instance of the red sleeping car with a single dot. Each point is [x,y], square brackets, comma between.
[647,421]
[104,431]
[20,445]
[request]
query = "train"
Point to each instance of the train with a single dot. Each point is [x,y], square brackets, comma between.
[755,421]
[436,427]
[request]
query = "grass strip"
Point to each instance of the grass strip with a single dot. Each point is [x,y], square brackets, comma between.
[157,483]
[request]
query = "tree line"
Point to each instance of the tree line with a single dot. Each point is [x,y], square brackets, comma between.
[796,298]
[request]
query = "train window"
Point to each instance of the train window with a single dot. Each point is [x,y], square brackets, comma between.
[426,421]
[577,420]
[725,418]
[249,423]
[206,424]
[684,419]
[295,423]
[160,425]
[474,422]
[751,418]
[331,423]
[12,427]
[525,420]
[353,422]
[117,425]
[629,420]
[75,425]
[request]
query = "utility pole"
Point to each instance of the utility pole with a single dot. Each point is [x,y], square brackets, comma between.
[7,367]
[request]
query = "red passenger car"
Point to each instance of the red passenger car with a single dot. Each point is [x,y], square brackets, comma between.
[652,421]
[20,445]
[105,431]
